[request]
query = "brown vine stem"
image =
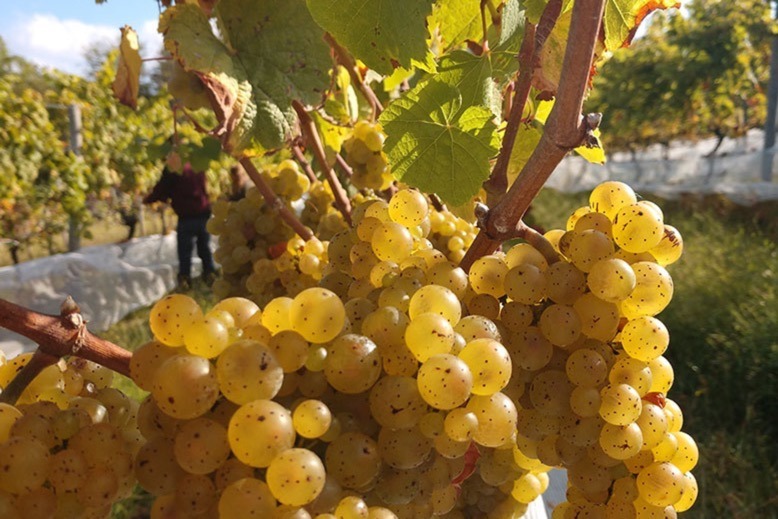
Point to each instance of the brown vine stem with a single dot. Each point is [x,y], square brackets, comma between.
[346,60]
[39,361]
[344,167]
[300,157]
[565,129]
[58,337]
[538,241]
[437,203]
[275,203]
[312,140]
[529,59]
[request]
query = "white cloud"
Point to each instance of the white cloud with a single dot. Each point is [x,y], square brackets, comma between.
[58,43]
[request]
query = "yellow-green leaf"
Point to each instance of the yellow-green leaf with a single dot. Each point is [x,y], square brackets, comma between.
[127,82]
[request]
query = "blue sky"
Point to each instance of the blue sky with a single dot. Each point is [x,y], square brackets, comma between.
[54,33]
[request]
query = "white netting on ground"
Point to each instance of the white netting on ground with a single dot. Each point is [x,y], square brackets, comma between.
[735,172]
[107,281]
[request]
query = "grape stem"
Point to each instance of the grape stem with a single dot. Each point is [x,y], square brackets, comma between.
[347,61]
[313,141]
[62,335]
[565,130]
[344,167]
[38,362]
[274,202]
[300,158]
[538,241]
[484,25]
[437,203]
[529,59]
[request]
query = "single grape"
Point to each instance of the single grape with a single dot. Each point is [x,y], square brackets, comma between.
[311,418]
[317,314]
[609,197]
[395,402]
[445,381]
[171,316]
[661,484]
[247,371]
[185,386]
[637,228]
[259,430]
[201,446]
[353,363]
[408,207]
[489,363]
[295,476]
[429,334]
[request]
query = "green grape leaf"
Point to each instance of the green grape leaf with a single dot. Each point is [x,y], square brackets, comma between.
[384,34]
[526,141]
[269,53]
[438,144]
[622,18]
[457,21]
[534,8]
[201,156]
[473,76]
[511,24]
[481,79]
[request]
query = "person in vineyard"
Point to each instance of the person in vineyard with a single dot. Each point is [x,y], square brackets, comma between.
[188,196]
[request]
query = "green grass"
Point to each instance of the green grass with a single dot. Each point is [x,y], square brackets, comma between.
[723,324]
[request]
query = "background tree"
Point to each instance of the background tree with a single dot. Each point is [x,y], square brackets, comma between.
[691,76]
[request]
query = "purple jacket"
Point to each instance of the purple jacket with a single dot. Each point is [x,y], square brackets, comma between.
[186,192]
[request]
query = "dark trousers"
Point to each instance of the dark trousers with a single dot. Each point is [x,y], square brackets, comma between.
[189,229]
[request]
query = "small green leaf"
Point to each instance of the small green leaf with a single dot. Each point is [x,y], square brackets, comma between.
[622,17]
[383,34]
[396,78]
[332,136]
[457,21]
[596,154]
[436,143]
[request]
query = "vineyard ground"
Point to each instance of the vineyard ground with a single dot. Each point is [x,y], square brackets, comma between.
[724,324]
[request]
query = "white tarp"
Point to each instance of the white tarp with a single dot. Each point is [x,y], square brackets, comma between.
[107,281]
[735,171]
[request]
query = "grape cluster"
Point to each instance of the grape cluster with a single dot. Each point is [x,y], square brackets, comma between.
[255,257]
[401,386]
[392,383]
[67,446]
[364,153]
[592,378]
